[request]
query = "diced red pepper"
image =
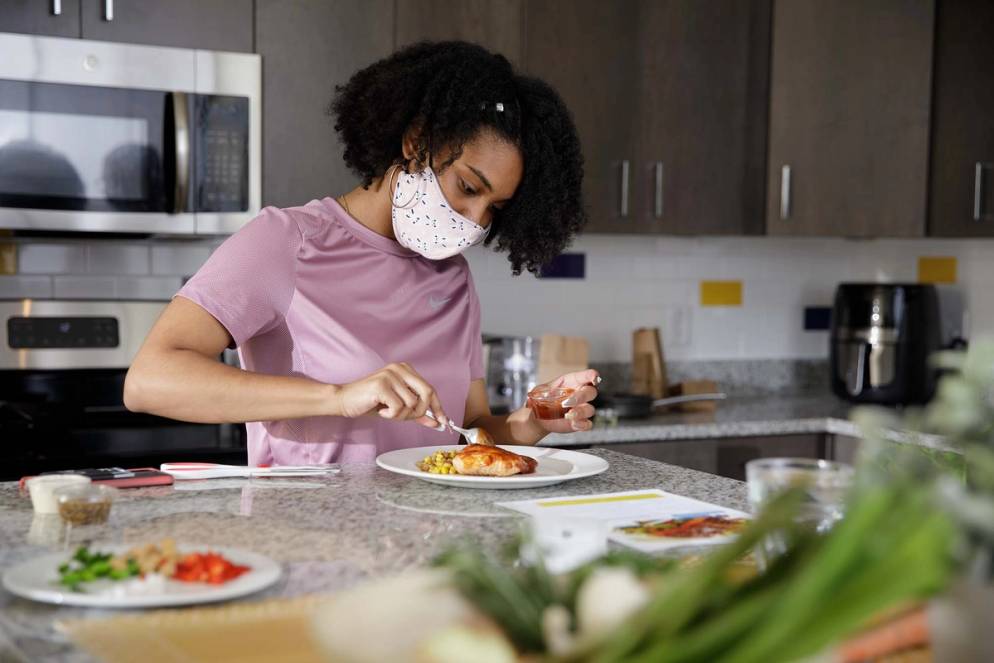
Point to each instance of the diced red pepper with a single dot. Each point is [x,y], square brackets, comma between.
[208,567]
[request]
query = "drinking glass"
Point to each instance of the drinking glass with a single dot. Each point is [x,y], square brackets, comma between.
[824,484]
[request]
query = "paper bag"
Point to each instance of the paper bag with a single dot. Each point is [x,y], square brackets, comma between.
[558,355]
[648,366]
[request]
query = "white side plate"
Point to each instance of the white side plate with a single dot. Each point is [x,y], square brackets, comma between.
[37,579]
[554,466]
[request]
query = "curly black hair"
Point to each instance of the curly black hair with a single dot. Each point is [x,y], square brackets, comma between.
[449,91]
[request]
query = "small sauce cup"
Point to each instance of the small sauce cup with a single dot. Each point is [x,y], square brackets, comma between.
[85,505]
[547,402]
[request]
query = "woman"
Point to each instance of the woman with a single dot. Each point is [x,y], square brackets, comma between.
[355,316]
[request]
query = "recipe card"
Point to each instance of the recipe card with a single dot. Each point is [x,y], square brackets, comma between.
[648,520]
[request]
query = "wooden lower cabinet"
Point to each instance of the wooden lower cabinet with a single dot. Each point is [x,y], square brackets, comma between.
[726,457]
[842,448]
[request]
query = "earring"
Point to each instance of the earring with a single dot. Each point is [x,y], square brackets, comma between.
[409,203]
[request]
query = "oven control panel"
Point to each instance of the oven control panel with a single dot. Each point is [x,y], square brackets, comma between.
[33,333]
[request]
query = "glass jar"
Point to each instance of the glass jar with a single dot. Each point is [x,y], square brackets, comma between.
[547,402]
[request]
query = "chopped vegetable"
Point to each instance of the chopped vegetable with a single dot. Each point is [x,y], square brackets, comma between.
[162,559]
[439,462]
[208,567]
[86,566]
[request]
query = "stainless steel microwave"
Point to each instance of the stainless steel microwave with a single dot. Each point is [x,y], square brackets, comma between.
[104,137]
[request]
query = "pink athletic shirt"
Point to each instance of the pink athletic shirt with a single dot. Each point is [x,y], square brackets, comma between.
[310,291]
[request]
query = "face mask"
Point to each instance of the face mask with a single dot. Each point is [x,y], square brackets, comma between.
[424,222]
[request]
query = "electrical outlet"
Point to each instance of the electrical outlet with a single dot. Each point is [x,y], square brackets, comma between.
[8,258]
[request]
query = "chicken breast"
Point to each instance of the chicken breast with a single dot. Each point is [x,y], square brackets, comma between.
[492,462]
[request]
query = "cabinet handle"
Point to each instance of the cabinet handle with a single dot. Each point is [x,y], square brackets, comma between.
[56,7]
[108,10]
[181,127]
[658,209]
[978,188]
[625,167]
[785,192]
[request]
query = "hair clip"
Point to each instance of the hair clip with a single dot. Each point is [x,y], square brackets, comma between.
[499,107]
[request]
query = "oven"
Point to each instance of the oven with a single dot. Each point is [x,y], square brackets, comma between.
[105,137]
[62,369]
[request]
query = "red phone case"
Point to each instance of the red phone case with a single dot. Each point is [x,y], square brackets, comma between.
[154,478]
[151,477]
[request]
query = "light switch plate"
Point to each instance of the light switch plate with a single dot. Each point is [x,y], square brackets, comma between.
[676,326]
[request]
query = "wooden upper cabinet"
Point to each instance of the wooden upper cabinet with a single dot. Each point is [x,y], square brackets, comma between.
[849,117]
[494,24]
[962,173]
[37,17]
[671,93]
[307,49]
[587,50]
[704,94]
[216,25]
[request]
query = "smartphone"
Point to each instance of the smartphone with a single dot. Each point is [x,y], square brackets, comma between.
[120,477]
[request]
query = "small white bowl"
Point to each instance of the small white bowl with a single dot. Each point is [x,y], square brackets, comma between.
[41,489]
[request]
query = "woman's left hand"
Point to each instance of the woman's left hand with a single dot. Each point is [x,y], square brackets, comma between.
[580,409]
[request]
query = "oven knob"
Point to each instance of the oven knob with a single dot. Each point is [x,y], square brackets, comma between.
[91,62]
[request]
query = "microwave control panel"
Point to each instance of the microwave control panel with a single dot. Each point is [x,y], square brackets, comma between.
[37,333]
[222,153]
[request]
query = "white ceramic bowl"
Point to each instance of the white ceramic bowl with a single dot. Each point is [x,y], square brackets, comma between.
[42,488]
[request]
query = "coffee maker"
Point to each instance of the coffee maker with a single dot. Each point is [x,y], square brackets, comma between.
[882,337]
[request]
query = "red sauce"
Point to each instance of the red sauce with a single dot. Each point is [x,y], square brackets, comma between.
[547,403]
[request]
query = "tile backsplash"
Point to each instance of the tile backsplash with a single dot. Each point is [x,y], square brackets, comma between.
[760,290]
[103,269]
[662,282]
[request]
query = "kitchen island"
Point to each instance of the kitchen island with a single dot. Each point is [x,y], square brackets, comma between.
[328,534]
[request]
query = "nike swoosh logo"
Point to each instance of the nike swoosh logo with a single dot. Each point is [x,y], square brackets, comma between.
[435,303]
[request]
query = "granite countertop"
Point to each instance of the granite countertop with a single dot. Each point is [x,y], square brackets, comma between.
[752,416]
[735,417]
[329,534]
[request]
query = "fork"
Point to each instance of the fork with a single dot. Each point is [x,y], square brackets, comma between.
[472,435]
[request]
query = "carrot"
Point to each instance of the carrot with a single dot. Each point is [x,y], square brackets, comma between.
[909,630]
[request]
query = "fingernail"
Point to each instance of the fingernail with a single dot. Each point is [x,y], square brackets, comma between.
[597,380]
[575,425]
[569,402]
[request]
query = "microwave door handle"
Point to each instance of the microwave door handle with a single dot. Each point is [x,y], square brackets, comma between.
[181,140]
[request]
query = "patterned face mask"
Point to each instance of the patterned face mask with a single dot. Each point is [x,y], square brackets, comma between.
[424,222]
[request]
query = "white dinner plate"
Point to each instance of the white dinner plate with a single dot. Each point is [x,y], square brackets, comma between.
[554,466]
[37,579]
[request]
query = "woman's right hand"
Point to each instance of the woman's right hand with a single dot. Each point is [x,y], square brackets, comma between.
[396,391]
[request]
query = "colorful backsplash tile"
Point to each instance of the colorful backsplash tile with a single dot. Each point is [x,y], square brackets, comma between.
[817,318]
[721,293]
[936,269]
[565,266]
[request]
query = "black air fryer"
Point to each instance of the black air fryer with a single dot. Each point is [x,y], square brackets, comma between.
[882,337]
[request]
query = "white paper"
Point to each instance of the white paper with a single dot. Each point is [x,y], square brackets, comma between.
[624,509]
